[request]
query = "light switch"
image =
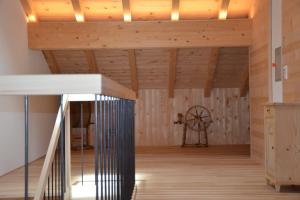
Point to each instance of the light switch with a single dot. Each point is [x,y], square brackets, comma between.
[285,72]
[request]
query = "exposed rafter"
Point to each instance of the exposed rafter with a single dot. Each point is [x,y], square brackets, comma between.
[175,10]
[224,9]
[51,61]
[172,71]
[91,59]
[133,71]
[31,16]
[140,34]
[214,57]
[79,16]
[126,10]
[212,66]
[245,83]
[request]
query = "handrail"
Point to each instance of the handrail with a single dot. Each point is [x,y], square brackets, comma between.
[75,84]
[79,87]
[51,150]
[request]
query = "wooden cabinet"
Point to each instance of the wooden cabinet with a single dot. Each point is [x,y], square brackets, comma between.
[282,144]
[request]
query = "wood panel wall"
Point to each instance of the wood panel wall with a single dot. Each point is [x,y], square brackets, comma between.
[291,49]
[155,114]
[259,76]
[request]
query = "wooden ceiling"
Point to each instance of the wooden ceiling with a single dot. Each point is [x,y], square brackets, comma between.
[95,10]
[202,67]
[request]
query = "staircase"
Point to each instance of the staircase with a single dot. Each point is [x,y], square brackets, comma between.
[113,138]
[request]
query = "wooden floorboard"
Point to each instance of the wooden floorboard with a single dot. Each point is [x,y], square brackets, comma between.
[217,173]
[173,173]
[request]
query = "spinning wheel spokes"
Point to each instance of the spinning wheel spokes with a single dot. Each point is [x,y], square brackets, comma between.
[197,118]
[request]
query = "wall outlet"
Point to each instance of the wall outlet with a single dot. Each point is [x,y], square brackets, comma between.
[285,72]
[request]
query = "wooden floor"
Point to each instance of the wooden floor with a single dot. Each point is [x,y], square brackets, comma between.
[215,173]
[175,173]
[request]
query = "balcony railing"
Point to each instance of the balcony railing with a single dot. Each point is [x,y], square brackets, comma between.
[113,135]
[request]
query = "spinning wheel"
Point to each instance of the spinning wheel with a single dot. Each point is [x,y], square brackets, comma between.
[198,119]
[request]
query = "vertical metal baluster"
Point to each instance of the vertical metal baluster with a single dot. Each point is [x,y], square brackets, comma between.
[104,144]
[81,137]
[48,188]
[26,105]
[133,141]
[62,149]
[55,173]
[118,151]
[109,147]
[96,145]
[59,170]
[113,147]
[117,148]
[52,181]
[127,150]
[123,150]
[131,148]
[101,142]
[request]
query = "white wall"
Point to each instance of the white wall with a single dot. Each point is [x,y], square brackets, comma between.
[277,93]
[16,58]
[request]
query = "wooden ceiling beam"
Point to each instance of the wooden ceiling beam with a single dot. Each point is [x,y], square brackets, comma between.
[126,10]
[30,15]
[214,57]
[139,34]
[212,66]
[133,71]
[91,59]
[224,9]
[172,71]
[175,10]
[245,83]
[79,16]
[51,61]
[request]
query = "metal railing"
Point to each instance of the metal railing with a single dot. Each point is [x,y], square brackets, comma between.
[113,136]
[114,148]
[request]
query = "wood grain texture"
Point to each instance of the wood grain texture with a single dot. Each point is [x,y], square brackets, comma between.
[153,66]
[137,34]
[212,66]
[133,71]
[259,76]
[172,71]
[91,59]
[282,144]
[51,61]
[126,10]
[214,173]
[291,49]
[142,10]
[155,114]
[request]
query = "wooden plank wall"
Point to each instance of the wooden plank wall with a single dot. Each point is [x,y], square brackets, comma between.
[259,76]
[291,49]
[155,114]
